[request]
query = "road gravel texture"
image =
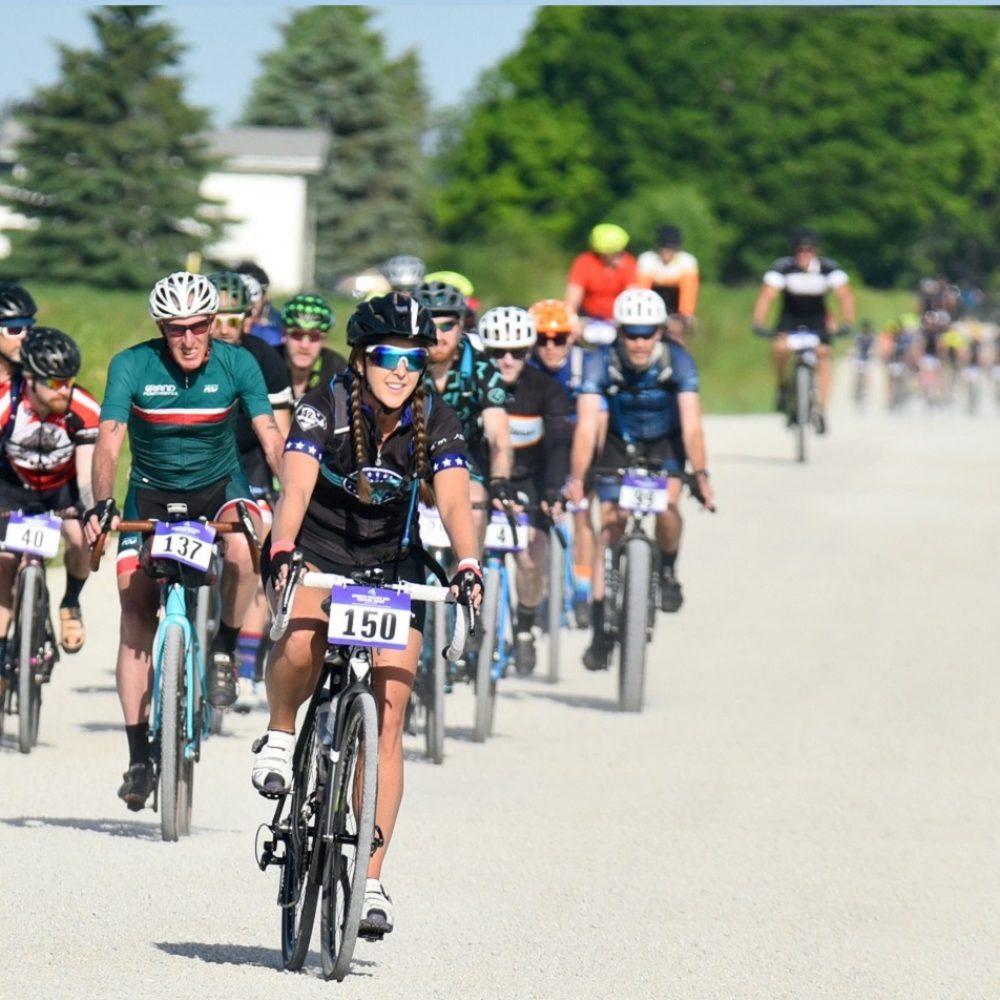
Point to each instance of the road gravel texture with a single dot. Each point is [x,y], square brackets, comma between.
[808,806]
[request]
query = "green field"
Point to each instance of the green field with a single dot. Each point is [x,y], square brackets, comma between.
[734,365]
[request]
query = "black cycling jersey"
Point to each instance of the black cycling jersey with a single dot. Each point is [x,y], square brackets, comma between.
[328,363]
[337,525]
[279,390]
[540,428]
[804,292]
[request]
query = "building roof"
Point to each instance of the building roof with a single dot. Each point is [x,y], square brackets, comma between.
[262,150]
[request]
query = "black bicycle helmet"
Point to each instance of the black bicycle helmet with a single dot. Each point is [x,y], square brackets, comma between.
[392,315]
[307,312]
[440,299]
[15,302]
[234,296]
[50,353]
[669,236]
[804,238]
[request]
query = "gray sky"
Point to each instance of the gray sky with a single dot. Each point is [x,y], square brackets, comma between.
[456,42]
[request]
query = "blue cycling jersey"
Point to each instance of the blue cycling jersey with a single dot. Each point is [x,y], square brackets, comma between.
[570,374]
[642,405]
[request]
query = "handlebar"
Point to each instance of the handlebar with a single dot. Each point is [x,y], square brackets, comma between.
[244,527]
[687,478]
[299,576]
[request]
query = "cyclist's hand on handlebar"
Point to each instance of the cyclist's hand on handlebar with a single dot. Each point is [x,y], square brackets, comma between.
[277,574]
[845,330]
[501,493]
[759,330]
[701,490]
[467,583]
[103,516]
[574,490]
[553,503]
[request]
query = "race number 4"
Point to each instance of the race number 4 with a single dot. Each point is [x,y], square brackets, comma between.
[36,534]
[187,542]
[643,493]
[499,536]
[369,616]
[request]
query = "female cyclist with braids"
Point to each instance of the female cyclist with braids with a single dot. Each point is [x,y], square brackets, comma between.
[361,451]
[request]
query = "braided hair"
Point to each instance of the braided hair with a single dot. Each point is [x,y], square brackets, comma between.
[419,436]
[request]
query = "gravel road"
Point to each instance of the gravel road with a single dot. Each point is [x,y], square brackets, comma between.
[807,807]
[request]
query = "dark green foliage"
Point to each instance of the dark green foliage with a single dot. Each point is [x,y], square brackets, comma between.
[876,126]
[116,157]
[331,73]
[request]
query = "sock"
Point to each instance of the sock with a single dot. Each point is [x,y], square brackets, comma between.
[225,639]
[597,617]
[138,743]
[525,617]
[246,653]
[74,584]
[667,562]
[582,583]
[3,659]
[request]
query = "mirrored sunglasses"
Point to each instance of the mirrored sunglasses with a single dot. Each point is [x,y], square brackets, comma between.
[640,332]
[55,384]
[383,356]
[230,321]
[445,323]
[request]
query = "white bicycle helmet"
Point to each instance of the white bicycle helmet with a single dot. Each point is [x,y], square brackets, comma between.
[254,288]
[640,307]
[404,272]
[182,294]
[507,326]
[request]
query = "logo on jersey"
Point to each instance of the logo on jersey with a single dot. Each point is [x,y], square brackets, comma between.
[211,388]
[160,390]
[386,485]
[497,396]
[309,417]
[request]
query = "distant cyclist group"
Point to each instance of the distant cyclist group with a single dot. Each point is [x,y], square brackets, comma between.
[537,414]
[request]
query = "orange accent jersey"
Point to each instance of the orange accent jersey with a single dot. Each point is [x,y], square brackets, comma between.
[676,282]
[601,283]
[43,452]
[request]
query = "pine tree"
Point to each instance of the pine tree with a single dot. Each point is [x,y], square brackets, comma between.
[114,157]
[332,73]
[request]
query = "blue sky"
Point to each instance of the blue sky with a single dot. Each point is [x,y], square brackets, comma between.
[456,42]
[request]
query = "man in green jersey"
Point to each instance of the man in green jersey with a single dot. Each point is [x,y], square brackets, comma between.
[177,396]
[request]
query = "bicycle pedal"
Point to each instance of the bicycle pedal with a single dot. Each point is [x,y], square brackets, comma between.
[370,934]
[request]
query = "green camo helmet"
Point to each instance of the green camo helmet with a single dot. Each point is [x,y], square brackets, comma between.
[307,312]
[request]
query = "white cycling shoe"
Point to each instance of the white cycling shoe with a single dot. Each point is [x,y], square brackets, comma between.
[376,914]
[272,766]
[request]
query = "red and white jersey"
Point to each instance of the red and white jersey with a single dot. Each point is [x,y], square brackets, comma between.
[43,452]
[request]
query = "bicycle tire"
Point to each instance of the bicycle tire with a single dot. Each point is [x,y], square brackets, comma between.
[171,731]
[637,556]
[31,622]
[434,686]
[349,830]
[486,686]
[557,579]
[298,891]
[803,409]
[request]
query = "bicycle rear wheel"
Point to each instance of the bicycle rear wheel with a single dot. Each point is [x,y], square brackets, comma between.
[486,686]
[803,405]
[557,579]
[349,830]
[635,611]
[30,635]
[434,686]
[299,888]
[173,794]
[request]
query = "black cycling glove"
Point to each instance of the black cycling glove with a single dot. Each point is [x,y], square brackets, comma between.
[278,559]
[466,579]
[501,489]
[105,511]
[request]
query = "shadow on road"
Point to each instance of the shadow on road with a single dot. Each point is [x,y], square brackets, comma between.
[241,954]
[578,700]
[96,689]
[754,459]
[111,827]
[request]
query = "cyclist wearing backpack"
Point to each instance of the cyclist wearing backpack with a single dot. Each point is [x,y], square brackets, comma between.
[473,387]
[362,449]
[654,413]
[49,429]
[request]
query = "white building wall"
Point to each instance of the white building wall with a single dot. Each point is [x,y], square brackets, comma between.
[272,214]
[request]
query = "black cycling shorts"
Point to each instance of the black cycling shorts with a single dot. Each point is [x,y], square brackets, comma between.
[14,495]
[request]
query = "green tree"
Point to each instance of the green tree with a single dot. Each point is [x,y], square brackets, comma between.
[113,159]
[331,72]
[876,126]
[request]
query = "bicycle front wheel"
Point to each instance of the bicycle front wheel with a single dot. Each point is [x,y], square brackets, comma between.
[557,579]
[30,631]
[632,646]
[349,832]
[299,889]
[434,689]
[803,405]
[486,686]
[173,796]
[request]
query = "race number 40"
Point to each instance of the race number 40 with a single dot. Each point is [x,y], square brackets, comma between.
[36,534]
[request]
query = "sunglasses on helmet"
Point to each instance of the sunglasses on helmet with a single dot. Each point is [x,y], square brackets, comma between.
[383,356]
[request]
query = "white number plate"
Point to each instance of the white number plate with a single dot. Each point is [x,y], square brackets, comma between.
[644,493]
[188,542]
[36,534]
[432,532]
[500,538]
[369,616]
[802,341]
